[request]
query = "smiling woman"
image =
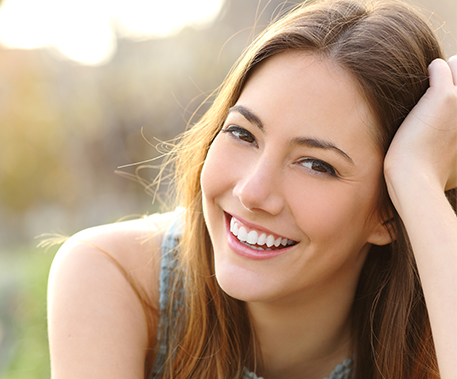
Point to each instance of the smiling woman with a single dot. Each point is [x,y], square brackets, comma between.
[316,216]
[264,169]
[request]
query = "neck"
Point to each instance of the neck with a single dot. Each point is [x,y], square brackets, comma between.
[304,339]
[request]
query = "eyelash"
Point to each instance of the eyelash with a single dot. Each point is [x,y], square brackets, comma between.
[320,167]
[317,166]
[241,134]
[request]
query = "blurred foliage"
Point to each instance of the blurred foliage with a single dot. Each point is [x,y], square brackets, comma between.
[67,127]
[29,356]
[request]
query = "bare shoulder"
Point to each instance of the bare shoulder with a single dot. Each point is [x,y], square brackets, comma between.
[135,245]
[97,325]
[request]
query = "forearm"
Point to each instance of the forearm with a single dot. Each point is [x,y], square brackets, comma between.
[432,228]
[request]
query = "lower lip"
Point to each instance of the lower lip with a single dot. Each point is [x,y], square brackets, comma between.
[243,250]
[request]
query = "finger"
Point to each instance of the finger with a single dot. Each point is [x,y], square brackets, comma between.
[452,62]
[440,74]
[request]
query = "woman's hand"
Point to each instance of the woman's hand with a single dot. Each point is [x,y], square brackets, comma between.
[425,145]
[420,164]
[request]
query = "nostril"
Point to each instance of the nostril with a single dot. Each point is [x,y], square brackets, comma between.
[259,187]
[258,198]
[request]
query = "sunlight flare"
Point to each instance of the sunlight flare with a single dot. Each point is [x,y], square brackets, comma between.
[86,30]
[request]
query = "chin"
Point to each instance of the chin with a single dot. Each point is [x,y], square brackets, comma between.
[244,284]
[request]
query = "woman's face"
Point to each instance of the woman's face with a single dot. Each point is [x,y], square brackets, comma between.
[294,165]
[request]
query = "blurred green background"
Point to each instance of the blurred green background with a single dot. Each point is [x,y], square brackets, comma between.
[68,121]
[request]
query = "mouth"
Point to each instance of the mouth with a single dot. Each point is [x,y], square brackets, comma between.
[258,239]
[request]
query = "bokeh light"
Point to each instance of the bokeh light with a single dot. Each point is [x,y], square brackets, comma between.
[86,30]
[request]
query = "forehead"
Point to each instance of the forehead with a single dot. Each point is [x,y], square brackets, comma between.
[309,92]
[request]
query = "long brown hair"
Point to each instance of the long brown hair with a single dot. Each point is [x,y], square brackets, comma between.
[386,47]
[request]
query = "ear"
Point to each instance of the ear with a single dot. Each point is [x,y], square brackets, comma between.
[383,233]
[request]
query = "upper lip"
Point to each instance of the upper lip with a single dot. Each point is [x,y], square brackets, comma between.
[256,227]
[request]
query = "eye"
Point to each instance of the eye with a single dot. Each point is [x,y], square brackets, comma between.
[320,167]
[241,134]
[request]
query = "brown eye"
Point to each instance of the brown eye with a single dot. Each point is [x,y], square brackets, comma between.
[241,134]
[318,166]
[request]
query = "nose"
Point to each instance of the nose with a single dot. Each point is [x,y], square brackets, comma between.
[259,187]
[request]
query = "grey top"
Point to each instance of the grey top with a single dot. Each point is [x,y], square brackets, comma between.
[167,269]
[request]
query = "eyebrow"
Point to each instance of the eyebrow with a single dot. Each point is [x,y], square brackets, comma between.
[317,143]
[248,115]
[301,141]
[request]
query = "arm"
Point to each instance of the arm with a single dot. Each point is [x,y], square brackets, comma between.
[419,166]
[97,327]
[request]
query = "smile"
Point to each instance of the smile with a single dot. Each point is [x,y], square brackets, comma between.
[258,240]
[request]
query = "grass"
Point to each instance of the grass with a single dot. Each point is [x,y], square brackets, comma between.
[28,351]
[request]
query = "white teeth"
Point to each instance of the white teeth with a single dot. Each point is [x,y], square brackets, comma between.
[242,234]
[262,239]
[253,237]
[270,241]
[233,227]
[232,224]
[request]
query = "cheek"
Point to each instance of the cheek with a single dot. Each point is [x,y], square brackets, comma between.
[216,172]
[334,212]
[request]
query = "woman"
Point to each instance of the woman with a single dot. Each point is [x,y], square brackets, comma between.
[314,223]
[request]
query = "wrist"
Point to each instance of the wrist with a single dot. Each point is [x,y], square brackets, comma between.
[411,185]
